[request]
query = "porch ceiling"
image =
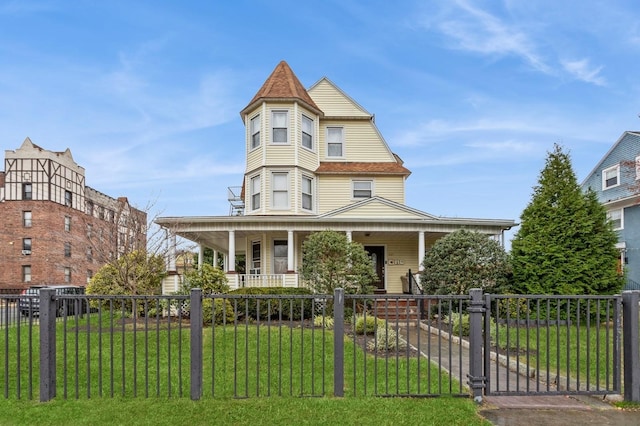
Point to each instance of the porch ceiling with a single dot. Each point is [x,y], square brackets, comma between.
[213,231]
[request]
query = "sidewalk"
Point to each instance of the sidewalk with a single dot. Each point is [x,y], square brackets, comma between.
[519,410]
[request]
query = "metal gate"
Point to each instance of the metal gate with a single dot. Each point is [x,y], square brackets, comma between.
[552,345]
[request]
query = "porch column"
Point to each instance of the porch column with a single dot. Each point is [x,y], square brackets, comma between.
[171,261]
[232,252]
[289,251]
[200,256]
[349,236]
[215,258]
[420,250]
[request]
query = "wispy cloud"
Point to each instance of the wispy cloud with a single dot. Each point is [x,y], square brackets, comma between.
[476,30]
[582,70]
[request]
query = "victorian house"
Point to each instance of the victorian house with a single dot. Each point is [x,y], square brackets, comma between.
[616,182]
[315,160]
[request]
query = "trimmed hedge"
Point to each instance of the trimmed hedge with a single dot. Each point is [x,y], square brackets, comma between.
[277,308]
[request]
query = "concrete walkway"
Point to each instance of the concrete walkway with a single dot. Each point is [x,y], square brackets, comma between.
[520,410]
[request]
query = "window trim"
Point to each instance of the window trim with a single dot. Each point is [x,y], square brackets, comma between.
[27,272]
[353,188]
[303,133]
[609,218]
[287,191]
[310,194]
[253,194]
[286,126]
[342,142]
[615,169]
[254,132]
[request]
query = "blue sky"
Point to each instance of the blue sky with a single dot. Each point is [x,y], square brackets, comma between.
[470,94]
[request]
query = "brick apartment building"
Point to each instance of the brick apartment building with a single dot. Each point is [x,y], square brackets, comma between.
[53,228]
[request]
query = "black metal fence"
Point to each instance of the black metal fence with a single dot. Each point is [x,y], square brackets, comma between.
[242,346]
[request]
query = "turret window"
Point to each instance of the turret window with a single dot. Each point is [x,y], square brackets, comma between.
[255,193]
[280,190]
[279,125]
[307,193]
[255,132]
[307,132]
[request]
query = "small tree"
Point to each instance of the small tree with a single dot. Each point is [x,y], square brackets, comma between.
[565,245]
[135,273]
[208,278]
[330,261]
[463,260]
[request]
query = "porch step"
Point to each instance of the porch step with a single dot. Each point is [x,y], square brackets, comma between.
[397,310]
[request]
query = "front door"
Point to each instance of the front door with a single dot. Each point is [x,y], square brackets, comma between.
[376,253]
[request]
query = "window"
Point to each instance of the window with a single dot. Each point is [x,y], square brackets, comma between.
[26,273]
[280,190]
[26,246]
[89,254]
[89,230]
[89,275]
[280,256]
[89,208]
[279,126]
[362,189]
[611,177]
[307,193]
[67,249]
[67,223]
[27,193]
[638,168]
[335,142]
[307,132]
[67,274]
[616,218]
[255,132]
[67,198]
[255,193]
[26,219]
[255,258]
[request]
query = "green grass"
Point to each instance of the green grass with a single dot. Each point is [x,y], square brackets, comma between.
[254,411]
[225,378]
[568,351]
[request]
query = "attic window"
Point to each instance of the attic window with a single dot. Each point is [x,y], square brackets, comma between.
[611,177]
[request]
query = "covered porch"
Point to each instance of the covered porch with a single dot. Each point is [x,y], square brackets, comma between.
[271,247]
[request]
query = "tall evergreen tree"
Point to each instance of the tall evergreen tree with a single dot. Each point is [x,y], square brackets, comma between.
[565,245]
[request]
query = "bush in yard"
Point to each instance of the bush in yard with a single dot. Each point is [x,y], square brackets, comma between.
[217,311]
[368,324]
[324,322]
[287,308]
[463,260]
[458,323]
[330,261]
[386,339]
[210,279]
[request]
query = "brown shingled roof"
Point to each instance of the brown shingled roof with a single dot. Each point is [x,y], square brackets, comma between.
[362,168]
[283,84]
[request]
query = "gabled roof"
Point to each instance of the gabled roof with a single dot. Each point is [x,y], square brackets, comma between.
[383,208]
[325,93]
[282,85]
[362,168]
[606,156]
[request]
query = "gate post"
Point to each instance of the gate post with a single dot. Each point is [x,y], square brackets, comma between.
[195,317]
[47,312]
[631,345]
[476,378]
[338,342]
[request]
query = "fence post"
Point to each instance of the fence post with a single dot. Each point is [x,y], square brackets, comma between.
[195,316]
[338,342]
[47,308]
[476,379]
[631,345]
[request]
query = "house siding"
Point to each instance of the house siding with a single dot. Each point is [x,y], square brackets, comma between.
[336,191]
[361,142]
[334,103]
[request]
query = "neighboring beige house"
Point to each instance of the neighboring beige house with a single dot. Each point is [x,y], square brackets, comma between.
[315,160]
